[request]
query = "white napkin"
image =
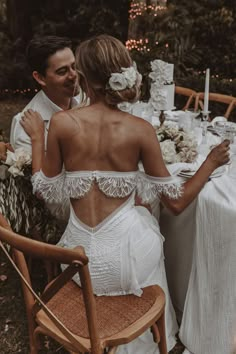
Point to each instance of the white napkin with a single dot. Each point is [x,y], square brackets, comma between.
[173,115]
[218,119]
[175,168]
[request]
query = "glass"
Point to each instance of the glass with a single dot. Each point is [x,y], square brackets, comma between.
[194,117]
[230,132]
[220,128]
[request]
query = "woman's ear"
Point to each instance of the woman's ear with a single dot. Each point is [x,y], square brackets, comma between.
[39,78]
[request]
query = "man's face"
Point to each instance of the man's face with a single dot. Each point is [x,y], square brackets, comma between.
[60,78]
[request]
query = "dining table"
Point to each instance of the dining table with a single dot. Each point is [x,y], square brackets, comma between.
[200,259]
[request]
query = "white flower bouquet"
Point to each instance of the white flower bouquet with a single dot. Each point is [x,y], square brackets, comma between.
[176,145]
[24,211]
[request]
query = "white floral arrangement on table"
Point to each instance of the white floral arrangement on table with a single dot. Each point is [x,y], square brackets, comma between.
[24,211]
[176,145]
[161,75]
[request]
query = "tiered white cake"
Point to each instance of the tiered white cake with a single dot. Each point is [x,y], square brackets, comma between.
[162,90]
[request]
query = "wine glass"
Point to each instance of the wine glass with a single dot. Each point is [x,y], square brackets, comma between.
[220,128]
[193,118]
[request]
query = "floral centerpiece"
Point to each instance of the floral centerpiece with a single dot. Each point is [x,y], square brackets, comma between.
[26,213]
[176,145]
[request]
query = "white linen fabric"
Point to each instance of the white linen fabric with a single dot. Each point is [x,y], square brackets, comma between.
[209,311]
[200,259]
[175,168]
[126,249]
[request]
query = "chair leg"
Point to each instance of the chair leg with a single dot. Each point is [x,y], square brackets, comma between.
[162,332]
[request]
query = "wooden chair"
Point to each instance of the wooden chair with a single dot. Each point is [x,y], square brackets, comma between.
[229,101]
[74,316]
[186,92]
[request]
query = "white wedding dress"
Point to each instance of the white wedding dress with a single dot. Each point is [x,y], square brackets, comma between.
[125,250]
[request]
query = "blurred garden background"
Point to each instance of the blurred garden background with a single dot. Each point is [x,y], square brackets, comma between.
[192,34]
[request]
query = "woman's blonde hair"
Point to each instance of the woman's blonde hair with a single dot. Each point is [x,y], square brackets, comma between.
[96,59]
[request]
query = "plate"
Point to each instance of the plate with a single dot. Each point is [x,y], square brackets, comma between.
[217,173]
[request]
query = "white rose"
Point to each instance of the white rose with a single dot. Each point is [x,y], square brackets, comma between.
[22,157]
[10,160]
[15,171]
[130,75]
[168,151]
[117,82]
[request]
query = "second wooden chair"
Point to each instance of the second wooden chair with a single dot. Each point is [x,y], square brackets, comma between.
[229,102]
[189,97]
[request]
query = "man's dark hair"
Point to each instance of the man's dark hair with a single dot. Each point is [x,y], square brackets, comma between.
[40,49]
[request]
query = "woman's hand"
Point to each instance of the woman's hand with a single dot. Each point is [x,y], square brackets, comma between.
[3,150]
[33,124]
[219,155]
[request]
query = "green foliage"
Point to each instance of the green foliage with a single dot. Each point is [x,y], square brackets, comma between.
[76,19]
[199,34]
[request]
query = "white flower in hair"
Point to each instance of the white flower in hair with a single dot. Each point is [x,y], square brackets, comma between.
[126,79]
[117,82]
[130,75]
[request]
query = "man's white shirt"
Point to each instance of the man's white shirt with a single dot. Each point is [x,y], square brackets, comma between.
[43,105]
[20,139]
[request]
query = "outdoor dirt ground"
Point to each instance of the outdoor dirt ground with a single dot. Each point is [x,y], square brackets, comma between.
[13,322]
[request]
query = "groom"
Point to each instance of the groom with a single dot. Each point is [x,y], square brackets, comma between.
[53,67]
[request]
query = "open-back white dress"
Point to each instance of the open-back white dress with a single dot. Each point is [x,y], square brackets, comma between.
[125,250]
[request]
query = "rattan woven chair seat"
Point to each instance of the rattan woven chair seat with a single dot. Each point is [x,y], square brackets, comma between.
[114,313]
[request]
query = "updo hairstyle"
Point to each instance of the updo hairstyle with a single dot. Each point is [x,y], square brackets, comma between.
[96,59]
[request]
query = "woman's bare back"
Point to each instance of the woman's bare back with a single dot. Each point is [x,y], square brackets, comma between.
[99,138]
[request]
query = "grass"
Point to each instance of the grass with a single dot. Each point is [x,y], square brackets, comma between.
[13,324]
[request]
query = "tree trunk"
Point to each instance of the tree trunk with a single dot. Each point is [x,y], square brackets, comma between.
[18,18]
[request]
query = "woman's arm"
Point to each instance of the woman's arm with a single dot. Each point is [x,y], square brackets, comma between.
[154,166]
[51,160]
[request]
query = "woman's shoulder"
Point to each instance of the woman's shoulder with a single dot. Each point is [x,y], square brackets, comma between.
[140,124]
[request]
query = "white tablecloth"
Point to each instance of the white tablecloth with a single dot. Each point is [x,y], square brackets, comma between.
[200,251]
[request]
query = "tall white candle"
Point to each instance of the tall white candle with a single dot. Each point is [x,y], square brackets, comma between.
[206,93]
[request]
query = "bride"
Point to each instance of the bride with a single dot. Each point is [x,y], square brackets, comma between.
[92,156]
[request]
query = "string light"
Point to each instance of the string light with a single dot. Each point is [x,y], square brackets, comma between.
[23,91]
[138,8]
[141,45]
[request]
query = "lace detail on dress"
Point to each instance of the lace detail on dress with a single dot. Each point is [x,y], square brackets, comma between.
[149,188]
[49,188]
[113,184]
[78,183]
[118,187]
[77,187]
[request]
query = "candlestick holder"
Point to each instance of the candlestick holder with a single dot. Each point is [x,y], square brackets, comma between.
[205,118]
[162,117]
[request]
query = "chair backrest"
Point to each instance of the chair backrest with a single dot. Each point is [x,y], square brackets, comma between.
[77,262]
[186,92]
[227,100]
